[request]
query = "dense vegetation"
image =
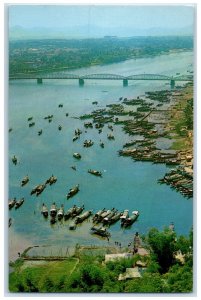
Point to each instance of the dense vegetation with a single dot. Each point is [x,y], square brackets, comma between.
[57,54]
[164,273]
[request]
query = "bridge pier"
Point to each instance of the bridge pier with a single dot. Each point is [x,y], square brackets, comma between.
[39,80]
[125,82]
[172,84]
[81,82]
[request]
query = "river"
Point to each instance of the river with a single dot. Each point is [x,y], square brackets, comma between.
[125,184]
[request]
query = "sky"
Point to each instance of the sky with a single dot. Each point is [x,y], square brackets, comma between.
[111,17]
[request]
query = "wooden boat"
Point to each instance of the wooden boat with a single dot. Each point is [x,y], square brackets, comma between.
[94,172]
[30,119]
[102,145]
[53,210]
[11,203]
[60,212]
[130,220]
[115,218]
[75,138]
[19,203]
[73,191]
[60,105]
[110,137]
[84,216]
[31,124]
[53,220]
[124,216]
[59,127]
[102,231]
[44,211]
[88,125]
[51,180]
[96,216]
[88,143]
[69,212]
[40,132]
[77,211]
[14,160]
[74,168]
[25,180]
[77,155]
[104,214]
[106,220]
[40,189]
[72,226]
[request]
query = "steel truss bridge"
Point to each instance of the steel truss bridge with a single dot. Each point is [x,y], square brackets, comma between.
[82,78]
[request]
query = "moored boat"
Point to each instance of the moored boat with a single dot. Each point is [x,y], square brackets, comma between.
[69,212]
[44,211]
[95,217]
[84,216]
[130,220]
[14,160]
[73,191]
[53,210]
[72,226]
[102,231]
[124,216]
[60,213]
[115,218]
[77,211]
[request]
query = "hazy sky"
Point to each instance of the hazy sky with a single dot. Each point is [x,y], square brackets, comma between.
[143,17]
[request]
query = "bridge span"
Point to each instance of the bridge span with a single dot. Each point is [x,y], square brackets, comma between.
[81,78]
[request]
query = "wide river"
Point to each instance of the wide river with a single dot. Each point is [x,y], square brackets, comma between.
[125,184]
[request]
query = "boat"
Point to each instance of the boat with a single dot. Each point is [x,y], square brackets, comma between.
[84,216]
[11,203]
[40,132]
[124,216]
[88,143]
[53,219]
[72,226]
[60,212]
[130,220]
[115,218]
[40,189]
[53,210]
[104,214]
[106,220]
[73,191]
[96,216]
[74,168]
[69,212]
[30,119]
[51,180]
[75,138]
[60,105]
[88,124]
[110,137]
[44,211]
[102,231]
[31,124]
[110,127]
[14,160]
[94,172]
[102,145]
[25,180]
[19,203]
[77,211]
[59,127]
[77,155]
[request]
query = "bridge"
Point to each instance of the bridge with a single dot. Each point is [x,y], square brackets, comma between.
[81,78]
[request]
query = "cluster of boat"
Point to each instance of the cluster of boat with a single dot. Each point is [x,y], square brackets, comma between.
[40,188]
[75,212]
[14,203]
[109,217]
